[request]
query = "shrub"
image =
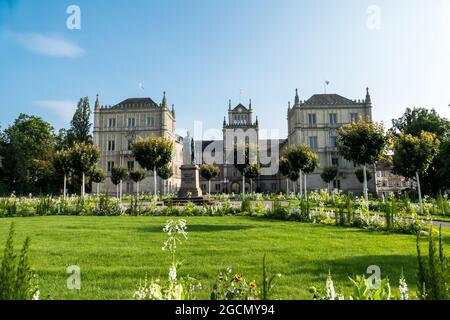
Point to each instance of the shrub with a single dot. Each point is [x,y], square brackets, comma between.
[17,279]
[433,278]
[246,206]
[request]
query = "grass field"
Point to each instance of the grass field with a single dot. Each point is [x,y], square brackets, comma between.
[114,253]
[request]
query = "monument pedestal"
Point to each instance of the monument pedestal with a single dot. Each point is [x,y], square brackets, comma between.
[190,182]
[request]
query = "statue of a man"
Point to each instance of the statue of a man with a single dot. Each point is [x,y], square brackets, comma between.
[188,149]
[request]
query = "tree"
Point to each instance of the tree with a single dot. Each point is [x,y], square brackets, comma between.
[359,173]
[137,176]
[251,172]
[413,122]
[80,126]
[243,161]
[329,174]
[98,176]
[285,169]
[414,155]
[152,154]
[117,176]
[294,176]
[62,163]
[84,158]
[302,159]
[362,143]
[165,173]
[209,172]
[27,150]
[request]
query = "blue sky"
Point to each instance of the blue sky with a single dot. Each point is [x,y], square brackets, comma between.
[204,52]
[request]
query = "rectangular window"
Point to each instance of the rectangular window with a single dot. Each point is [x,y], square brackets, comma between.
[129,187]
[333,118]
[333,141]
[217,187]
[274,187]
[312,119]
[111,145]
[110,165]
[151,122]
[353,117]
[112,123]
[337,184]
[335,162]
[131,122]
[129,145]
[130,165]
[313,143]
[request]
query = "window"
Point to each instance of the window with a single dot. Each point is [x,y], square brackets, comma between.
[131,122]
[129,144]
[112,123]
[313,143]
[337,184]
[333,118]
[217,187]
[312,119]
[130,165]
[333,141]
[110,165]
[353,117]
[274,187]
[129,187]
[111,145]
[335,162]
[151,122]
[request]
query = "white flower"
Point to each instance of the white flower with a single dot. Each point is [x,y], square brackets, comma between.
[173,274]
[403,288]
[331,293]
[36,295]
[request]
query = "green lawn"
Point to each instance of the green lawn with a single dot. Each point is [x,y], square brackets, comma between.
[115,252]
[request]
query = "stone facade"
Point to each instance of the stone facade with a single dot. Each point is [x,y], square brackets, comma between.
[117,127]
[316,122]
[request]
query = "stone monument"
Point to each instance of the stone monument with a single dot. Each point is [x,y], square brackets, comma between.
[190,176]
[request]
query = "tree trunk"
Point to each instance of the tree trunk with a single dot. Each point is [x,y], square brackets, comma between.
[306,189]
[300,185]
[154,179]
[419,191]
[83,186]
[98,189]
[117,191]
[287,186]
[251,185]
[121,190]
[243,185]
[366,195]
[137,188]
[209,187]
[329,188]
[65,186]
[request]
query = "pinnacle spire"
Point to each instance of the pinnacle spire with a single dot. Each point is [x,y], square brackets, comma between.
[297,98]
[97,103]
[164,101]
[229,104]
[368,98]
[250,104]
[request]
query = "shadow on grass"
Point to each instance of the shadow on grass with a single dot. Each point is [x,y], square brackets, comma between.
[201,228]
[390,266]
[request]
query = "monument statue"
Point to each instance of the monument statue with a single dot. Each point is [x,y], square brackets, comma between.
[188,149]
[190,177]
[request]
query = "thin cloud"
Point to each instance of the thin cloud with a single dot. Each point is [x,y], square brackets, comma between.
[53,46]
[63,109]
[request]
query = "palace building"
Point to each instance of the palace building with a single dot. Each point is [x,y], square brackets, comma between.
[314,122]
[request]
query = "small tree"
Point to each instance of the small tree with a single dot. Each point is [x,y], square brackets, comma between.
[137,176]
[80,126]
[362,143]
[413,156]
[285,169]
[117,176]
[62,163]
[359,173]
[152,154]
[209,172]
[328,175]
[165,173]
[302,159]
[252,171]
[84,157]
[17,280]
[98,176]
